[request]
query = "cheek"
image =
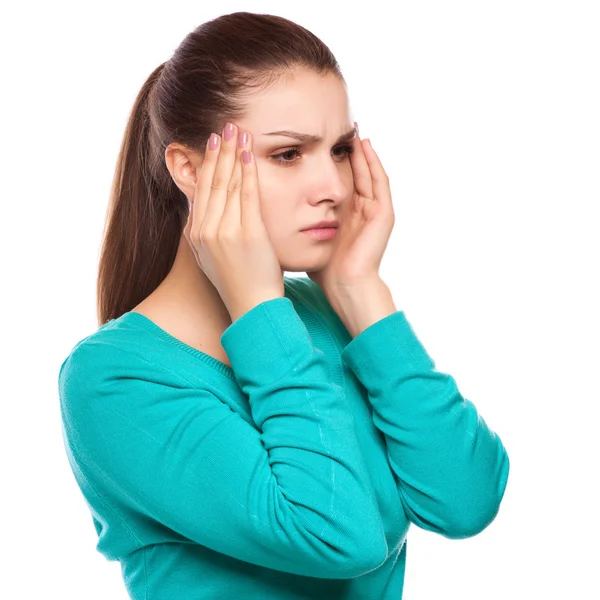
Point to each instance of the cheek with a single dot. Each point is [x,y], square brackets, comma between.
[276,219]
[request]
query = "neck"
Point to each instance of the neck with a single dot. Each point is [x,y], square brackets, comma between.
[187,287]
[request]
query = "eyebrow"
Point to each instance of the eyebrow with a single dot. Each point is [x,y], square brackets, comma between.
[313,139]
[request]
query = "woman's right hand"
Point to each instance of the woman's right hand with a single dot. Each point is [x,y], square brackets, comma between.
[225,228]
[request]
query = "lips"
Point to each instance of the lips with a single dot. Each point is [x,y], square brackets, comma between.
[322,225]
[321,233]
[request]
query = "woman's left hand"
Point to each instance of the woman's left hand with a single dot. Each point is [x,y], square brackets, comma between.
[365,229]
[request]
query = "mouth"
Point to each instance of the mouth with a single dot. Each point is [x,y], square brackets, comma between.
[321,233]
[331,224]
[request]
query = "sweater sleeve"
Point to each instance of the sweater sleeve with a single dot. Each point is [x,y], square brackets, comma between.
[451,469]
[288,491]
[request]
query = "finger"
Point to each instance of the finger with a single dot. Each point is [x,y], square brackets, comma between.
[204,177]
[232,214]
[381,182]
[360,169]
[221,177]
[251,216]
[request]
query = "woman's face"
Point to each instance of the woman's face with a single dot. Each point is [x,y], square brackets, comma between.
[301,182]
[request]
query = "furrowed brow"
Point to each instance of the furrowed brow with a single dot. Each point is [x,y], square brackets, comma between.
[312,139]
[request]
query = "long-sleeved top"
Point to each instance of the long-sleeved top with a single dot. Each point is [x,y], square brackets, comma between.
[294,473]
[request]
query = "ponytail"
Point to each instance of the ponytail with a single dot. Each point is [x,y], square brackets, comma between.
[145,215]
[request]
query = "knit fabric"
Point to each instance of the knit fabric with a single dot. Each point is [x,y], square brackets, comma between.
[294,474]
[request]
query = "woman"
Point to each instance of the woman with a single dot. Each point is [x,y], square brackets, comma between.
[237,433]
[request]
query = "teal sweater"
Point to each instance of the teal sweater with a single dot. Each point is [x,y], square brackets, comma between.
[294,474]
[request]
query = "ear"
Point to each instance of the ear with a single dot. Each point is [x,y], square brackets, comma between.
[183,164]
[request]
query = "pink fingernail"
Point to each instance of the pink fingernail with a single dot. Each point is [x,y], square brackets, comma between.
[228,131]
[213,141]
[246,157]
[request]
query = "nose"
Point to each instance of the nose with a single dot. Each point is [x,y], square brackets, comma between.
[330,180]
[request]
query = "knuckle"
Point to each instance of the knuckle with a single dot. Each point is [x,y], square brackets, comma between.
[233,186]
[218,182]
[247,194]
[205,236]
[227,234]
[195,237]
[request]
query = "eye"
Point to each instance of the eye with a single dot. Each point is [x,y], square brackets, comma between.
[280,158]
[286,157]
[347,149]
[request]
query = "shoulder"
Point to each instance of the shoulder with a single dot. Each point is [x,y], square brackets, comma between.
[307,291]
[96,358]
[110,340]
[314,300]
[117,354]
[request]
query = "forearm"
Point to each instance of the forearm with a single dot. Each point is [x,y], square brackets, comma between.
[361,306]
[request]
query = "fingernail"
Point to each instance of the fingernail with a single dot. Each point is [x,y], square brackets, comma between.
[242,139]
[213,141]
[228,131]
[246,157]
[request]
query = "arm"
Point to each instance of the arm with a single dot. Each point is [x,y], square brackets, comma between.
[451,468]
[285,489]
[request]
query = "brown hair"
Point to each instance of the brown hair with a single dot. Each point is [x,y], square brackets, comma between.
[185,99]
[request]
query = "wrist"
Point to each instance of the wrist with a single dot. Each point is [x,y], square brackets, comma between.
[360,306]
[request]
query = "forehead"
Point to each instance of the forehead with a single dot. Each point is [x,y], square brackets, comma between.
[304,99]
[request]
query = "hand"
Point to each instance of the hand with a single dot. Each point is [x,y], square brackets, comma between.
[225,228]
[364,231]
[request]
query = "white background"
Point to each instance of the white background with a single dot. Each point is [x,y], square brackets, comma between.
[486,116]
